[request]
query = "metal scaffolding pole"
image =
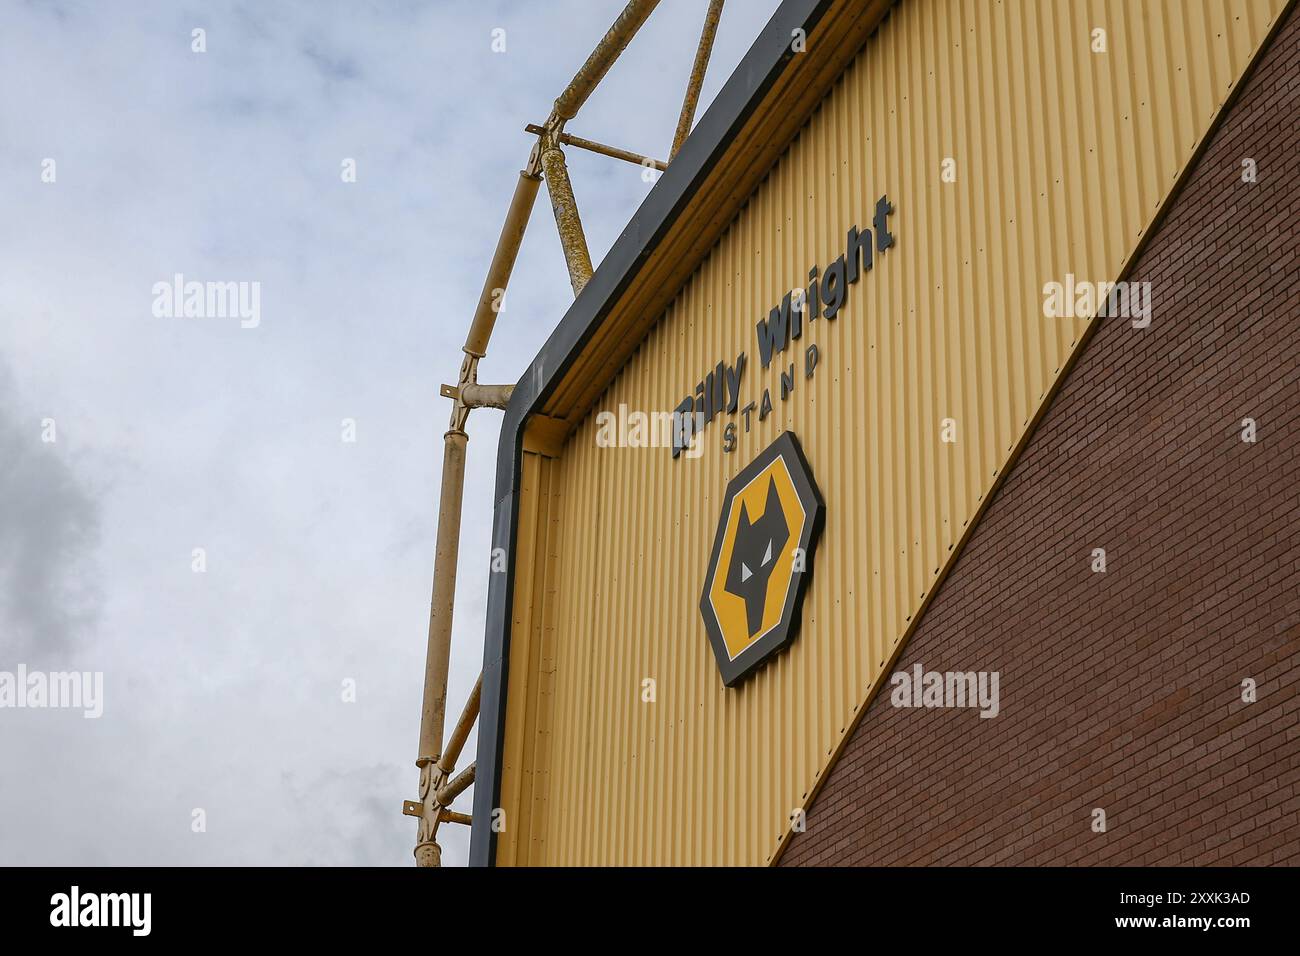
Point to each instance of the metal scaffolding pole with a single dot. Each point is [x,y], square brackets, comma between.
[503,259]
[447,763]
[467,394]
[437,786]
[613,43]
[696,80]
[568,139]
[572,239]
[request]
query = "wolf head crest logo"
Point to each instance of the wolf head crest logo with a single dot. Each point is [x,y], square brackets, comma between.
[762,556]
[752,556]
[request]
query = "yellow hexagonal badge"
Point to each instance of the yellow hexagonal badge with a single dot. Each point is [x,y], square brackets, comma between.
[762,558]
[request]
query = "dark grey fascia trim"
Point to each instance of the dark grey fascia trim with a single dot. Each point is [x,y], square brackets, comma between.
[726,116]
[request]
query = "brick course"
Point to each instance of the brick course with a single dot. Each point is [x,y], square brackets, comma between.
[1122,690]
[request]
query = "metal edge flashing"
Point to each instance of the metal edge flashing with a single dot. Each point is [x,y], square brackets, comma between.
[735,103]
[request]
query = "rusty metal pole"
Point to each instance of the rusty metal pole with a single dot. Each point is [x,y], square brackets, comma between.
[568,139]
[442,605]
[576,255]
[503,259]
[438,657]
[444,595]
[613,152]
[486,396]
[447,763]
[613,43]
[696,81]
[458,785]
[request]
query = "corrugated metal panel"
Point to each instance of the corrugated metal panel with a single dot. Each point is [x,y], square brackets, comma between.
[1063,157]
[529,712]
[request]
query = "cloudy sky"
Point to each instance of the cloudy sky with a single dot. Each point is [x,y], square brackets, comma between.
[223,690]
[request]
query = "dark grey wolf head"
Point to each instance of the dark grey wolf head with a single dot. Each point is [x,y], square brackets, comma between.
[758,545]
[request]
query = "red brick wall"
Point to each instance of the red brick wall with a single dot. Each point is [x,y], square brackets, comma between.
[1122,690]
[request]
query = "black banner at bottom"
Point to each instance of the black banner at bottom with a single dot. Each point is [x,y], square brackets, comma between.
[623,907]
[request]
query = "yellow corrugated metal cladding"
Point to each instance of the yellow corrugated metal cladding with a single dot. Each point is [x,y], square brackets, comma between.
[1061,156]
